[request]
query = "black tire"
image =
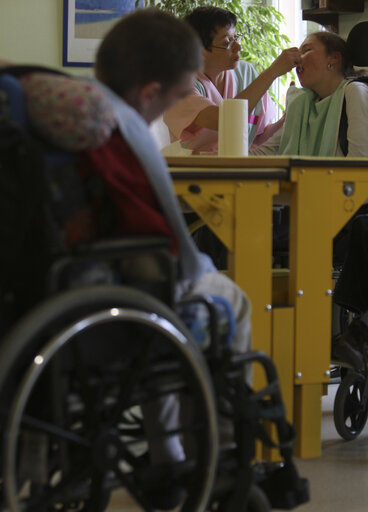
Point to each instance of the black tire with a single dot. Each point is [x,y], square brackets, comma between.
[258,501]
[350,410]
[105,351]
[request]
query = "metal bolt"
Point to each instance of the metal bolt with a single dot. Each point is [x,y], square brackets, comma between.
[300,293]
[268,184]
[302,171]
[330,171]
[239,185]
[195,189]
[348,189]
[328,292]
[327,373]
[299,375]
[268,307]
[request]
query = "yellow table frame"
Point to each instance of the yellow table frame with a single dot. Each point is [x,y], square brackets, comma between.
[234,197]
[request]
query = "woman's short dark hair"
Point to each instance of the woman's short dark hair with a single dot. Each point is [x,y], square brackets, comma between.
[334,43]
[207,20]
[147,45]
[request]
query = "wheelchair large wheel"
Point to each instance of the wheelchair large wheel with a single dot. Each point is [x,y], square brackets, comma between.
[350,408]
[84,368]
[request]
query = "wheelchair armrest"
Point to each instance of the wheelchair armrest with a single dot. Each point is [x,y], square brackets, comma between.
[213,328]
[133,244]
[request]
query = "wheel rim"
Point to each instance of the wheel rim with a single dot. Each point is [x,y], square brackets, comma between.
[109,442]
[354,410]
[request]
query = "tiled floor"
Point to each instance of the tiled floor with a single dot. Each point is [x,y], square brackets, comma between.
[339,479]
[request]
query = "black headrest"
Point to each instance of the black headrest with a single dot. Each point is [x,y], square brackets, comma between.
[357,42]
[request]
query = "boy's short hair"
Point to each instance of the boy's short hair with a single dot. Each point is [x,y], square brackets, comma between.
[207,20]
[147,45]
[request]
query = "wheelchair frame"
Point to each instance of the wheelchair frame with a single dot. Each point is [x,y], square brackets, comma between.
[41,339]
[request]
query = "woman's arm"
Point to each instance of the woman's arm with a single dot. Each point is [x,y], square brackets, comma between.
[289,58]
[269,131]
[270,147]
[356,94]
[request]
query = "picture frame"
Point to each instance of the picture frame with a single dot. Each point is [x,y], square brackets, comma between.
[85,22]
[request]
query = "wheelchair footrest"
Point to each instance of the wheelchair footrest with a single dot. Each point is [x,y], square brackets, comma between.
[283,486]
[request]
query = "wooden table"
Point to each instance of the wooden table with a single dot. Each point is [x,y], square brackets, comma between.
[291,315]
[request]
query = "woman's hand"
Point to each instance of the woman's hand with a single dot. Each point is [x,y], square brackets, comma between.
[287,60]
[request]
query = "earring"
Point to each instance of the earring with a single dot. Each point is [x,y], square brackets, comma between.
[329,66]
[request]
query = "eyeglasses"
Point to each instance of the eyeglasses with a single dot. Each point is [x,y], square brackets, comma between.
[230,44]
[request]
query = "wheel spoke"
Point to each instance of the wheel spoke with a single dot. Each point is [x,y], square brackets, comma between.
[54,430]
[353,405]
[88,395]
[129,380]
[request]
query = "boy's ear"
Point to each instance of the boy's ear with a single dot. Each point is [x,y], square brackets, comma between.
[150,91]
[141,98]
[147,98]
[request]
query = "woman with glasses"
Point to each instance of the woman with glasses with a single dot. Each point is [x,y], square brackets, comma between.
[194,121]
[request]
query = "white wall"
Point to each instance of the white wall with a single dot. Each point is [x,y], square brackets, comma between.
[31,31]
[347,21]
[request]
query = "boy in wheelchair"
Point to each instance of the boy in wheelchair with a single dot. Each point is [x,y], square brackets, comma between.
[93,438]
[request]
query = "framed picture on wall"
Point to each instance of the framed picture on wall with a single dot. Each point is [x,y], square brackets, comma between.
[85,24]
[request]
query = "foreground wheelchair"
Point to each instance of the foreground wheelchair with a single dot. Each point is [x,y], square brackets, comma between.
[94,347]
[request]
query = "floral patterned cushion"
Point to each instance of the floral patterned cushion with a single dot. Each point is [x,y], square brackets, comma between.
[68,112]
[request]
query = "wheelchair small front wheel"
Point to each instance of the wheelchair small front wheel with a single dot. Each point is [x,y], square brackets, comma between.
[350,407]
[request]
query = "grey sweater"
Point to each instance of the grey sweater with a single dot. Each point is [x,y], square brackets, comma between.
[192,263]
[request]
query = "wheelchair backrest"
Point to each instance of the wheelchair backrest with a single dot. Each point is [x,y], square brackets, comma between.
[57,224]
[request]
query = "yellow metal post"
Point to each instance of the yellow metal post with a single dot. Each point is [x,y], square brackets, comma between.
[307,404]
[310,292]
[283,356]
[283,353]
[251,266]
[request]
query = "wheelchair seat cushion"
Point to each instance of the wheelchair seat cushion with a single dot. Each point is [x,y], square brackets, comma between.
[67,112]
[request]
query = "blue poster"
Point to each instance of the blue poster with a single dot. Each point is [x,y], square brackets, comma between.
[86,22]
[92,11]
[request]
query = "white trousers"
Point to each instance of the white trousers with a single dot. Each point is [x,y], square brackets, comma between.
[163,415]
[219,284]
